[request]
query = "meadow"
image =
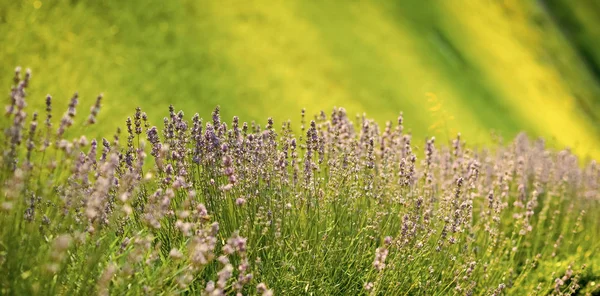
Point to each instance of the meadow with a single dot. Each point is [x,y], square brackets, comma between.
[198,206]
[486,69]
[322,148]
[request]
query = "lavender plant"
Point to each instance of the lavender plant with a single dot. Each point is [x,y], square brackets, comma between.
[345,208]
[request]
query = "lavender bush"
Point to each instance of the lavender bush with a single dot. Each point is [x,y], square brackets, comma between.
[346,208]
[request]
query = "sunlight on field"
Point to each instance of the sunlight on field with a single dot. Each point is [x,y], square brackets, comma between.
[237,194]
[358,58]
[511,54]
[477,68]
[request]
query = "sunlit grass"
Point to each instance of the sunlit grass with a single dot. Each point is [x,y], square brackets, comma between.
[476,67]
[520,62]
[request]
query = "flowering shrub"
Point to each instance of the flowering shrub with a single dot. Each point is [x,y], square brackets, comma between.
[345,208]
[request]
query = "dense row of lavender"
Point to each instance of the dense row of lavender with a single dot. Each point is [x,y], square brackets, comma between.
[345,208]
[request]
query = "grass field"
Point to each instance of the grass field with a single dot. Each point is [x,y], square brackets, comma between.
[216,208]
[446,198]
[474,67]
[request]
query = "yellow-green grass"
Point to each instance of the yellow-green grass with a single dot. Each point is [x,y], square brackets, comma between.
[462,66]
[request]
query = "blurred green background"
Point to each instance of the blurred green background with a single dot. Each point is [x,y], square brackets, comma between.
[478,67]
